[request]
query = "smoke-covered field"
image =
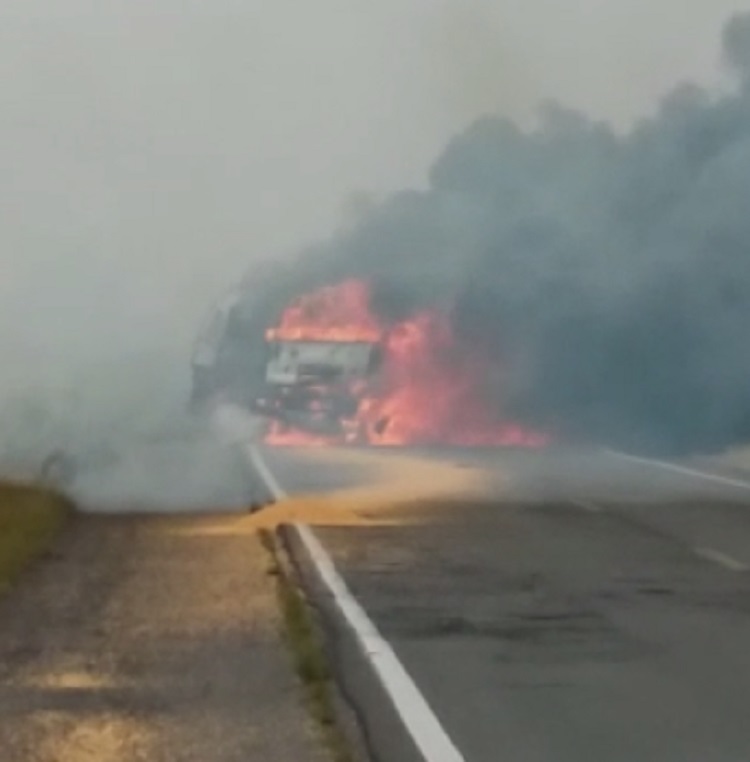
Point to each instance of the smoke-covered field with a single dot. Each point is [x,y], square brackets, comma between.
[152,156]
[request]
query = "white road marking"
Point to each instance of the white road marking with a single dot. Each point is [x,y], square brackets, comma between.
[708,554]
[717,557]
[682,470]
[587,506]
[265,472]
[425,729]
[423,726]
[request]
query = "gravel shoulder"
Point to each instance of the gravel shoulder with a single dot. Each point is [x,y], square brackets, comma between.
[150,638]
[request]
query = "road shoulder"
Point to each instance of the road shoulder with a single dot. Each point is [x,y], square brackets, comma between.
[150,639]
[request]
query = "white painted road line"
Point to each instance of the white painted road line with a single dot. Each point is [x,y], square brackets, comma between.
[235,426]
[423,726]
[425,729]
[717,557]
[265,472]
[707,554]
[682,470]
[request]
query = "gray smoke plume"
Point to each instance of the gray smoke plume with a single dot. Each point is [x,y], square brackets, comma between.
[609,273]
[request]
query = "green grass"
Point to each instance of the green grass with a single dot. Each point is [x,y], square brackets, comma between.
[30,518]
[308,656]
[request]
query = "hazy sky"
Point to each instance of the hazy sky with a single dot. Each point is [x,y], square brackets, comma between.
[151,151]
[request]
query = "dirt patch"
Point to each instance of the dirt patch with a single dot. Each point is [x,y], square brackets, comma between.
[392,483]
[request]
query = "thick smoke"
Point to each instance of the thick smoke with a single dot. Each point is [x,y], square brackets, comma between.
[149,152]
[609,274]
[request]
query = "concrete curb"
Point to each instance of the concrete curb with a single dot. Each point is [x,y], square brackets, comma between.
[346,723]
[386,737]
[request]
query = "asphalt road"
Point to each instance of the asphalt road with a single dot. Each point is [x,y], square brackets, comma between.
[561,605]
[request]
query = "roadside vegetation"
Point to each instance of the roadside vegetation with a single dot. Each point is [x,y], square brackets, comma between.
[306,650]
[30,518]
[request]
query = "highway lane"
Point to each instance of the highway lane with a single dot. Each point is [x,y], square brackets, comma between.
[560,605]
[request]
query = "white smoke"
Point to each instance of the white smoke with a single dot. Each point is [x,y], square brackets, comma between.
[151,153]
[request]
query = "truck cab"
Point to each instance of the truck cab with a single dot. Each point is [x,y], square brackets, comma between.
[317,385]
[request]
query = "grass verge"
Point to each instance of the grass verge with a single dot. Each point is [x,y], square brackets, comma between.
[30,518]
[308,656]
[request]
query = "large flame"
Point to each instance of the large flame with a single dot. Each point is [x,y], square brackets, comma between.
[429,389]
[333,313]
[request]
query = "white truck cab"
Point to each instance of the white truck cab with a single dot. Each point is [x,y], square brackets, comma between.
[303,362]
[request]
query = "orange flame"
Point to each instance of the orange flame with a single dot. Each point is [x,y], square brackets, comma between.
[429,389]
[283,436]
[333,313]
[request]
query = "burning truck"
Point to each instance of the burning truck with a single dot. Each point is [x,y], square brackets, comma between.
[317,385]
[330,370]
[303,377]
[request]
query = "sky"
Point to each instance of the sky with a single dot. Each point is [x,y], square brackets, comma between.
[152,152]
